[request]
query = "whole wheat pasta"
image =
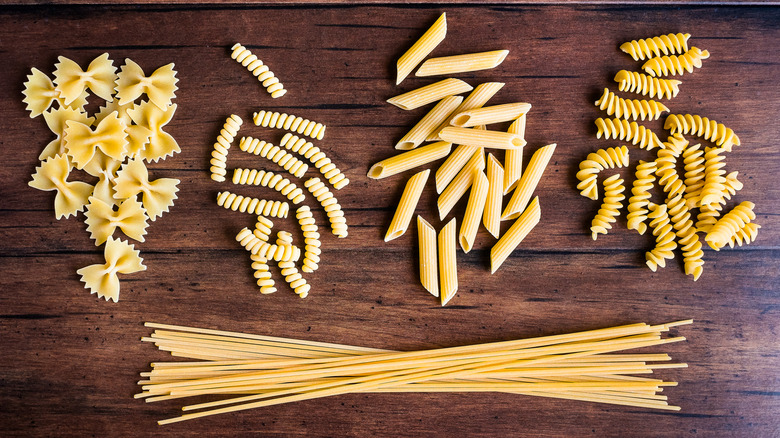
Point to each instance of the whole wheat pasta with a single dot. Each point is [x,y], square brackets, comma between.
[252,63]
[289,122]
[270,180]
[246,204]
[474,210]
[513,159]
[429,93]
[514,235]
[462,63]
[407,204]
[328,170]
[311,239]
[273,153]
[481,138]
[429,265]
[491,114]
[528,182]
[220,152]
[427,124]
[409,160]
[448,266]
[338,223]
[457,188]
[492,213]
[476,99]
[420,49]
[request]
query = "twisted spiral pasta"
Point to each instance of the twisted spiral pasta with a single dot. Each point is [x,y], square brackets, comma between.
[610,208]
[709,214]
[693,157]
[608,158]
[289,122]
[294,279]
[667,173]
[311,238]
[714,189]
[284,252]
[745,235]
[647,48]
[252,63]
[664,237]
[274,153]
[675,64]
[220,152]
[629,131]
[637,203]
[630,108]
[317,157]
[263,228]
[686,236]
[246,204]
[263,274]
[702,127]
[338,223]
[729,225]
[635,82]
[270,180]
[676,144]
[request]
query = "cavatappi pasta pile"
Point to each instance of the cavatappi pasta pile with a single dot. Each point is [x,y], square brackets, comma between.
[251,371]
[461,122]
[690,176]
[295,154]
[113,146]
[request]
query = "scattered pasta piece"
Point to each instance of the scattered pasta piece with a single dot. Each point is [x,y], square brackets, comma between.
[425,127]
[513,159]
[246,204]
[275,154]
[289,122]
[263,249]
[664,237]
[629,131]
[102,220]
[317,157]
[121,258]
[630,109]
[491,114]
[270,180]
[338,223]
[458,187]
[56,120]
[675,64]
[481,138]
[407,205]
[637,204]
[656,46]
[161,144]
[72,81]
[429,93]
[422,48]
[729,226]
[610,208]
[476,99]
[448,267]
[160,86]
[222,146]
[462,63]
[71,196]
[494,197]
[474,210]
[429,264]
[528,182]
[602,159]
[516,233]
[244,56]
[409,160]
[109,136]
[311,238]
[39,94]
[702,127]
[635,82]
[157,196]
[263,275]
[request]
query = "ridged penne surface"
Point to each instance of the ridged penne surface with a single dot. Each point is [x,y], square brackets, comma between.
[449,65]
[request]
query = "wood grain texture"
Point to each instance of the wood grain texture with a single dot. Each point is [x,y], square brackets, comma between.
[70,360]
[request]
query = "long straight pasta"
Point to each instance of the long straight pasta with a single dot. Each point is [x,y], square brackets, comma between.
[448,65]
[491,114]
[513,160]
[427,124]
[516,233]
[405,211]
[476,99]
[474,210]
[420,49]
[457,188]
[529,180]
[492,213]
[429,264]
[481,138]
[448,266]
[409,160]
[429,93]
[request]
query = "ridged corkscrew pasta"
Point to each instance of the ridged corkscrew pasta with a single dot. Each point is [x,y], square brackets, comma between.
[675,64]
[686,236]
[629,131]
[714,189]
[667,172]
[317,157]
[745,235]
[311,238]
[630,109]
[610,208]
[289,122]
[635,82]
[274,153]
[263,228]
[693,157]
[260,70]
[220,152]
[246,204]
[676,144]
[637,203]
[729,225]
[668,44]
[267,250]
[263,274]
[702,127]
[270,180]
[294,279]
[664,237]
[595,162]
[338,223]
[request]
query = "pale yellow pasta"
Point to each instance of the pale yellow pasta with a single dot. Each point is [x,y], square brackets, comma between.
[71,196]
[714,189]
[663,231]
[274,153]
[56,120]
[289,122]
[481,138]
[102,220]
[409,160]
[474,209]
[121,258]
[675,64]
[610,207]
[109,137]
[429,265]
[271,180]
[513,159]
[476,99]
[448,266]
[528,182]
[514,235]
[311,238]
[745,235]
[427,124]
[448,65]
[294,278]
[422,48]
[222,146]
[640,191]
[429,93]
[99,77]
[457,188]
[329,170]
[263,274]
[630,109]
[246,204]
[279,253]
[728,226]
[161,144]
[491,114]
[407,205]
[157,195]
[263,228]
[595,162]
[629,131]
[252,63]
[452,165]
[656,46]
[105,169]
[338,224]
[703,127]
[492,214]
[39,93]
[160,86]
[635,82]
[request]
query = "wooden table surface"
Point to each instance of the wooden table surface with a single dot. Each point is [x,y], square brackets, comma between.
[70,360]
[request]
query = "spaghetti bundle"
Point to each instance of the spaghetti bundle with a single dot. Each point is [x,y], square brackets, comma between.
[255,371]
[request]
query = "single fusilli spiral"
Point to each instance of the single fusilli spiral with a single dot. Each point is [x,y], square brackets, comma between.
[284,252]
[666,172]
[246,204]
[745,235]
[317,157]
[256,66]
[686,236]
[693,157]
[270,180]
[595,162]
[263,228]
[274,153]
[664,237]
[729,225]
[338,223]
[702,127]
[635,82]
[676,144]
[656,46]
[629,131]
[311,238]
[610,208]
[294,279]
[630,109]
[714,189]
[709,214]
[640,191]
[220,152]
[675,64]
[263,274]
[290,122]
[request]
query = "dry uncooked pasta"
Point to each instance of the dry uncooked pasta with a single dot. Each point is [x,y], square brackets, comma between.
[312,153]
[289,122]
[608,158]
[656,46]
[338,224]
[102,220]
[121,258]
[629,131]
[244,56]
[246,204]
[702,127]
[274,153]
[72,196]
[664,237]
[675,64]
[263,274]
[263,249]
[221,147]
[311,239]
[157,195]
[270,180]
[610,208]
[635,82]
[424,46]
[630,109]
[637,203]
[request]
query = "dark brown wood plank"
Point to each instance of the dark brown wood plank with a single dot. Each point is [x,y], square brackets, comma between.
[71,360]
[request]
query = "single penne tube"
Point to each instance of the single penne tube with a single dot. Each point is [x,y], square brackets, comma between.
[513,161]
[448,267]
[429,93]
[448,65]
[429,262]
[452,165]
[457,188]
[492,213]
[490,114]
[422,48]
[514,235]
[475,99]
[481,138]
[427,124]
[529,180]
[409,160]
[405,211]
[474,209]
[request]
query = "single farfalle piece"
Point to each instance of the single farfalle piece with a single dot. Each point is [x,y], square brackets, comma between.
[158,195]
[55,120]
[161,144]
[102,220]
[71,196]
[39,93]
[109,136]
[99,77]
[121,258]
[105,169]
[121,110]
[160,86]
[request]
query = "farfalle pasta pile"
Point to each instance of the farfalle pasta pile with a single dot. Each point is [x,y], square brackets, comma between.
[704,184]
[112,147]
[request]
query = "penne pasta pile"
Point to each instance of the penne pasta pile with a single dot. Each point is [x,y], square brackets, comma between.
[455,121]
[250,371]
